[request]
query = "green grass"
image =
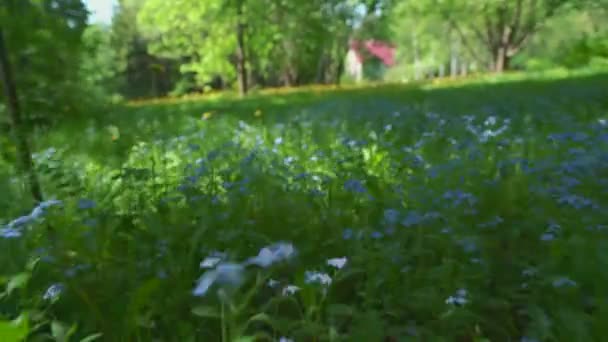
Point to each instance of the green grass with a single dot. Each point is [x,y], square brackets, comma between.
[400,180]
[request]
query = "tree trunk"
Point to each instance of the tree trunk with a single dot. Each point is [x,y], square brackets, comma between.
[241,64]
[340,57]
[23,149]
[320,77]
[454,58]
[416,57]
[502,60]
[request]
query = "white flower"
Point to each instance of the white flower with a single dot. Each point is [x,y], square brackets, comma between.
[224,274]
[289,290]
[285,339]
[337,262]
[459,299]
[213,259]
[53,292]
[453,300]
[317,277]
[273,283]
[272,254]
[210,262]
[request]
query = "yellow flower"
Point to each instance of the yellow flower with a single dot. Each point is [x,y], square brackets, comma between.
[257,113]
[207,115]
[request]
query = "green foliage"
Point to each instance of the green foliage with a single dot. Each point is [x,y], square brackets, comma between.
[443,37]
[41,34]
[15,331]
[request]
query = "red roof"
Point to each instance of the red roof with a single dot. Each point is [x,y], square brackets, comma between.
[382,50]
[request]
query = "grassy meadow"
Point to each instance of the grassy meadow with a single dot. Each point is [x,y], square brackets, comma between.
[465,211]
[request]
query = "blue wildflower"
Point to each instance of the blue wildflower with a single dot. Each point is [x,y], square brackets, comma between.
[272,254]
[347,234]
[226,274]
[391,216]
[10,233]
[563,282]
[354,186]
[84,203]
[53,292]
[412,218]
[317,277]
[376,235]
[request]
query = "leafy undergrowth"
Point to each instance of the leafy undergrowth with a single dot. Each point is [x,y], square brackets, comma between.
[464,214]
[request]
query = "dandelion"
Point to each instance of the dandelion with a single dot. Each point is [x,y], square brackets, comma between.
[317,277]
[290,290]
[227,274]
[53,292]
[337,262]
[272,254]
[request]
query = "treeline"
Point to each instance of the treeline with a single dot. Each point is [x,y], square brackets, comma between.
[156,48]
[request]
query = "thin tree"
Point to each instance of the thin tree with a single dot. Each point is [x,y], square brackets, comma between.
[10,92]
[241,64]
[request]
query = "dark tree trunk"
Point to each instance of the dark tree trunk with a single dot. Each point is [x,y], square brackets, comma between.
[23,149]
[320,77]
[241,64]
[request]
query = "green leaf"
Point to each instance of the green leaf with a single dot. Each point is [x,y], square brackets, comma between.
[18,281]
[245,339]
[206,312]
[92,338]
[14,331]
[340,310]
[263,318]
[61,332]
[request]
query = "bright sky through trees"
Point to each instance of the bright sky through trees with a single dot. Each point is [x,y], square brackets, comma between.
[101,10]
